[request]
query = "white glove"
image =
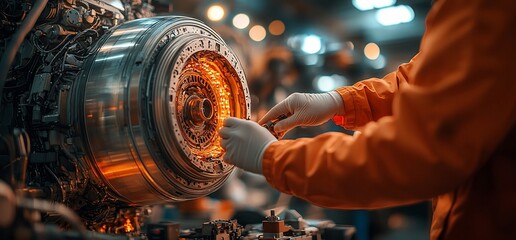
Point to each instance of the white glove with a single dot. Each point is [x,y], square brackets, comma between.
[245,142]
[305,109]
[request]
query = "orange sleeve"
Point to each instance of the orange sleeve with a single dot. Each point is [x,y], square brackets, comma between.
[459,107]
[371,99]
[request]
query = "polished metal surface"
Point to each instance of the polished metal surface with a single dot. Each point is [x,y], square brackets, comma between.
[150,104]
[115,3]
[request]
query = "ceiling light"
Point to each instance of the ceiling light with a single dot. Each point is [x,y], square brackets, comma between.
[395,15]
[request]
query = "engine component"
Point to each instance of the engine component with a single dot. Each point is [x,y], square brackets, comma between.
[150,128]
[270,126]
[101,113]
[273,227]
[27,226]
[214,230]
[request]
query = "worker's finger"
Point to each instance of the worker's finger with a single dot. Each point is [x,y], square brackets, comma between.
[227,159]
[230,121]
[275,112]
[357,133]
[224,143]
[286,124]
[225,132]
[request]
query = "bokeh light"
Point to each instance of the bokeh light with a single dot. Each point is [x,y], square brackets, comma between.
[379,63]
[372,51]
[311,44]
[364,5]
[215,13]
[350,45]
[241,21]
[276,27]
[395,15]
[257,33]
[326,83]
[329,83]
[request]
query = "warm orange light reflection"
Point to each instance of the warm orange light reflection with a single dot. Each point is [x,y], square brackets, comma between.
[128,227]
[102,229]
[214,80]
[276,27]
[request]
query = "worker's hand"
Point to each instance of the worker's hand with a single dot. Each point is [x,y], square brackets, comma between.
[245,142]
[305,109]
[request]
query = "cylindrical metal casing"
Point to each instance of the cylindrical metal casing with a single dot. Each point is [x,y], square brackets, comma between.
[150,101]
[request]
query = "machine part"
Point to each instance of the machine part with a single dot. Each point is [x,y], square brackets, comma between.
[215,230]
[128,221]
[16,41]
[115,3]
[270,126]
[273,227]
[115,114]
[293,219]
[63,211]
[72,17]
[150,100]
[22,144]
[26,226]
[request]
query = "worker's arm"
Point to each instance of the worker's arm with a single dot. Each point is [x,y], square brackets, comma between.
[371,99]
[350,107]
[444,125]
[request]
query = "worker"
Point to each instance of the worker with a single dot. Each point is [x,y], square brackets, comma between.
[441,127]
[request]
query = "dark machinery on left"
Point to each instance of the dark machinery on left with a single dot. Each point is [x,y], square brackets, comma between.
[105,109]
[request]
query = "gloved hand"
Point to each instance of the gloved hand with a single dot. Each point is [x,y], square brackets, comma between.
[245,142]
[305,109]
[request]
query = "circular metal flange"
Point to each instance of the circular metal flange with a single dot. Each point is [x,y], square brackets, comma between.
[152,97]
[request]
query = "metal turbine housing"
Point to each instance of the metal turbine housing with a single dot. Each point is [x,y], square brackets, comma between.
[148,105]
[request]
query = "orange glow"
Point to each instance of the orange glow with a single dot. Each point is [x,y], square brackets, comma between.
[209,71]
[128,227]
[223,93]
[103,228]
[276,27]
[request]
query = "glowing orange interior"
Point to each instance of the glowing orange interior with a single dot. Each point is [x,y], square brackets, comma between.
[212,77]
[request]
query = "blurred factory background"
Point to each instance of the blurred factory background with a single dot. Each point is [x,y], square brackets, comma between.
[308,46]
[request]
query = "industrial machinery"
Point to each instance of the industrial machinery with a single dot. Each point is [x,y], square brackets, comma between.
[291,226]
[105,108]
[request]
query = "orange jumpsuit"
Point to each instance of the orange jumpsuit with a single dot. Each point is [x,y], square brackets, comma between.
[442,126]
